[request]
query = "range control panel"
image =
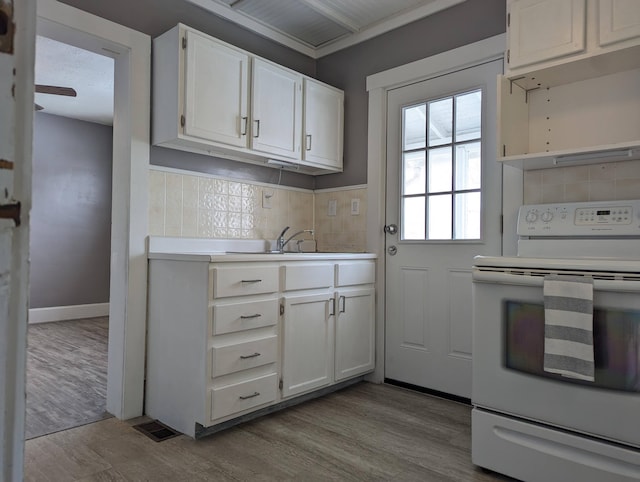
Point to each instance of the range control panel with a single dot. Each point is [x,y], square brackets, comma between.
[602,218]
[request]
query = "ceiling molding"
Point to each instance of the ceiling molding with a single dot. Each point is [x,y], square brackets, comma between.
[396,21]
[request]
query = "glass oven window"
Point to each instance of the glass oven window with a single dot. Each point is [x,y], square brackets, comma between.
[616,344]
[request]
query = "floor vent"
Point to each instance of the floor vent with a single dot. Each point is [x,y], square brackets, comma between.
[156,431]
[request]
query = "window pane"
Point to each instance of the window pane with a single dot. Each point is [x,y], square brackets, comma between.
[413,218]
[440,217]
[468,116]
[440,122]
[415,126]
[440,171]
[414,173]
[468,166]
[467,225]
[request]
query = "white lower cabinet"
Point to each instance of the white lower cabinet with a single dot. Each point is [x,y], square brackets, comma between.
[228,338]
[354,332]
[307,358]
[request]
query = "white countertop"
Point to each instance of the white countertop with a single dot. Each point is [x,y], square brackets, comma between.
[221,251]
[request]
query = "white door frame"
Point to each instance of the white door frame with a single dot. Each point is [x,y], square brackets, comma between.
[16,127]
[129,209]
[378,85]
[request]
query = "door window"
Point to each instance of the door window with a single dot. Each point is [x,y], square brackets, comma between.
[441,168]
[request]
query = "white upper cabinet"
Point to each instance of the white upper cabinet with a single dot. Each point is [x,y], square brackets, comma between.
[276,109]
[619,21]
[323,124]
[216,94]
[571,92]
[213,98]
[541,30]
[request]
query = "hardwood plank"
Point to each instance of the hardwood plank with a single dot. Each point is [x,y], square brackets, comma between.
[365,432]
[66,375]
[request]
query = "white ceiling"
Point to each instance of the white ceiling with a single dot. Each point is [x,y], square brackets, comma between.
[313,27]
[320,27]
[90,74]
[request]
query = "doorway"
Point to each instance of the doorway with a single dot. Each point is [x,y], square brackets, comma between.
[378,85]
[131,52]
[70,238]
[443,207]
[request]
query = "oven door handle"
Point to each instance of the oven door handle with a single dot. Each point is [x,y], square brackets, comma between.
[500,277]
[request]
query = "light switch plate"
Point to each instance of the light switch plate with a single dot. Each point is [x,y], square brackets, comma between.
[355,207]
[332,207]
[267,198]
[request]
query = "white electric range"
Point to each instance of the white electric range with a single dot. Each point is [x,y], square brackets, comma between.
[533,425]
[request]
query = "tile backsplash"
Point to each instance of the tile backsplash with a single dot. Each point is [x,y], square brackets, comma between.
[595,182]
[186,204]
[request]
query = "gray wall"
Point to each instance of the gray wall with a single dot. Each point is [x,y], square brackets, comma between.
[71,215]
[465,23]
[348,69]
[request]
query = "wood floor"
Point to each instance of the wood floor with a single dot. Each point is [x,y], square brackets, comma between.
[66,375]
[366,432]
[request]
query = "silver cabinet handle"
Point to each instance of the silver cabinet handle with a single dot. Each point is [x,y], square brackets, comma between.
[244,357]
[257,133]
[246,397]
[308,142]
[248,317]
[344,304]
[245,121]
[332,302]
[252,281]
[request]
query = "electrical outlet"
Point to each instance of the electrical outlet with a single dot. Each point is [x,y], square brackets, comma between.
[267,199]
[332,207]
[355,207]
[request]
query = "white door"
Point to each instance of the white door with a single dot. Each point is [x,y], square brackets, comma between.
[307,334]
[619,20]
[217,89]
[17,43]
[355,332]
[542,30]
[276,111]
[444,196]
[323,124]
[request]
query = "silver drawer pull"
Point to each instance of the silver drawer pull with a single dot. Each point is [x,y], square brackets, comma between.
[244,357]
[252,281]
[246,397]
[248,317]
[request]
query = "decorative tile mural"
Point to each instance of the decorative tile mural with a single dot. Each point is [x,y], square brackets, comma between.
[185,204]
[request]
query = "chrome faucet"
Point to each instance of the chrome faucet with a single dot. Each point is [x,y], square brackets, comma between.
[281,243]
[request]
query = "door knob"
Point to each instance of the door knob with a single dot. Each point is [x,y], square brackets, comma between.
[392,250]
[391,229]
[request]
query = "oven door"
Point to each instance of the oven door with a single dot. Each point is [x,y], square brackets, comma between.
[508,345]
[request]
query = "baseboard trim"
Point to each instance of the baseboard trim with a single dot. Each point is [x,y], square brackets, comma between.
[72,312]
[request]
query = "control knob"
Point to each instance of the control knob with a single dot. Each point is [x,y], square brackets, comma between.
[531,217]
[547,216]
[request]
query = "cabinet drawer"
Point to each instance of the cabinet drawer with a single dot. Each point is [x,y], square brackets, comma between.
[356,273]
[228,318]
[243,396]
[242,281]
[241,356]
[303,276]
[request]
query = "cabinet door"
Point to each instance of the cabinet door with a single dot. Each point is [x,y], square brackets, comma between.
[355,328]
[619,20]
[216,91]
[542,30]
[307,343]
[276,110]
[323,124]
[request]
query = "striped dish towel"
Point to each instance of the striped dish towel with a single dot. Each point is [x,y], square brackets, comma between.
[568,326]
